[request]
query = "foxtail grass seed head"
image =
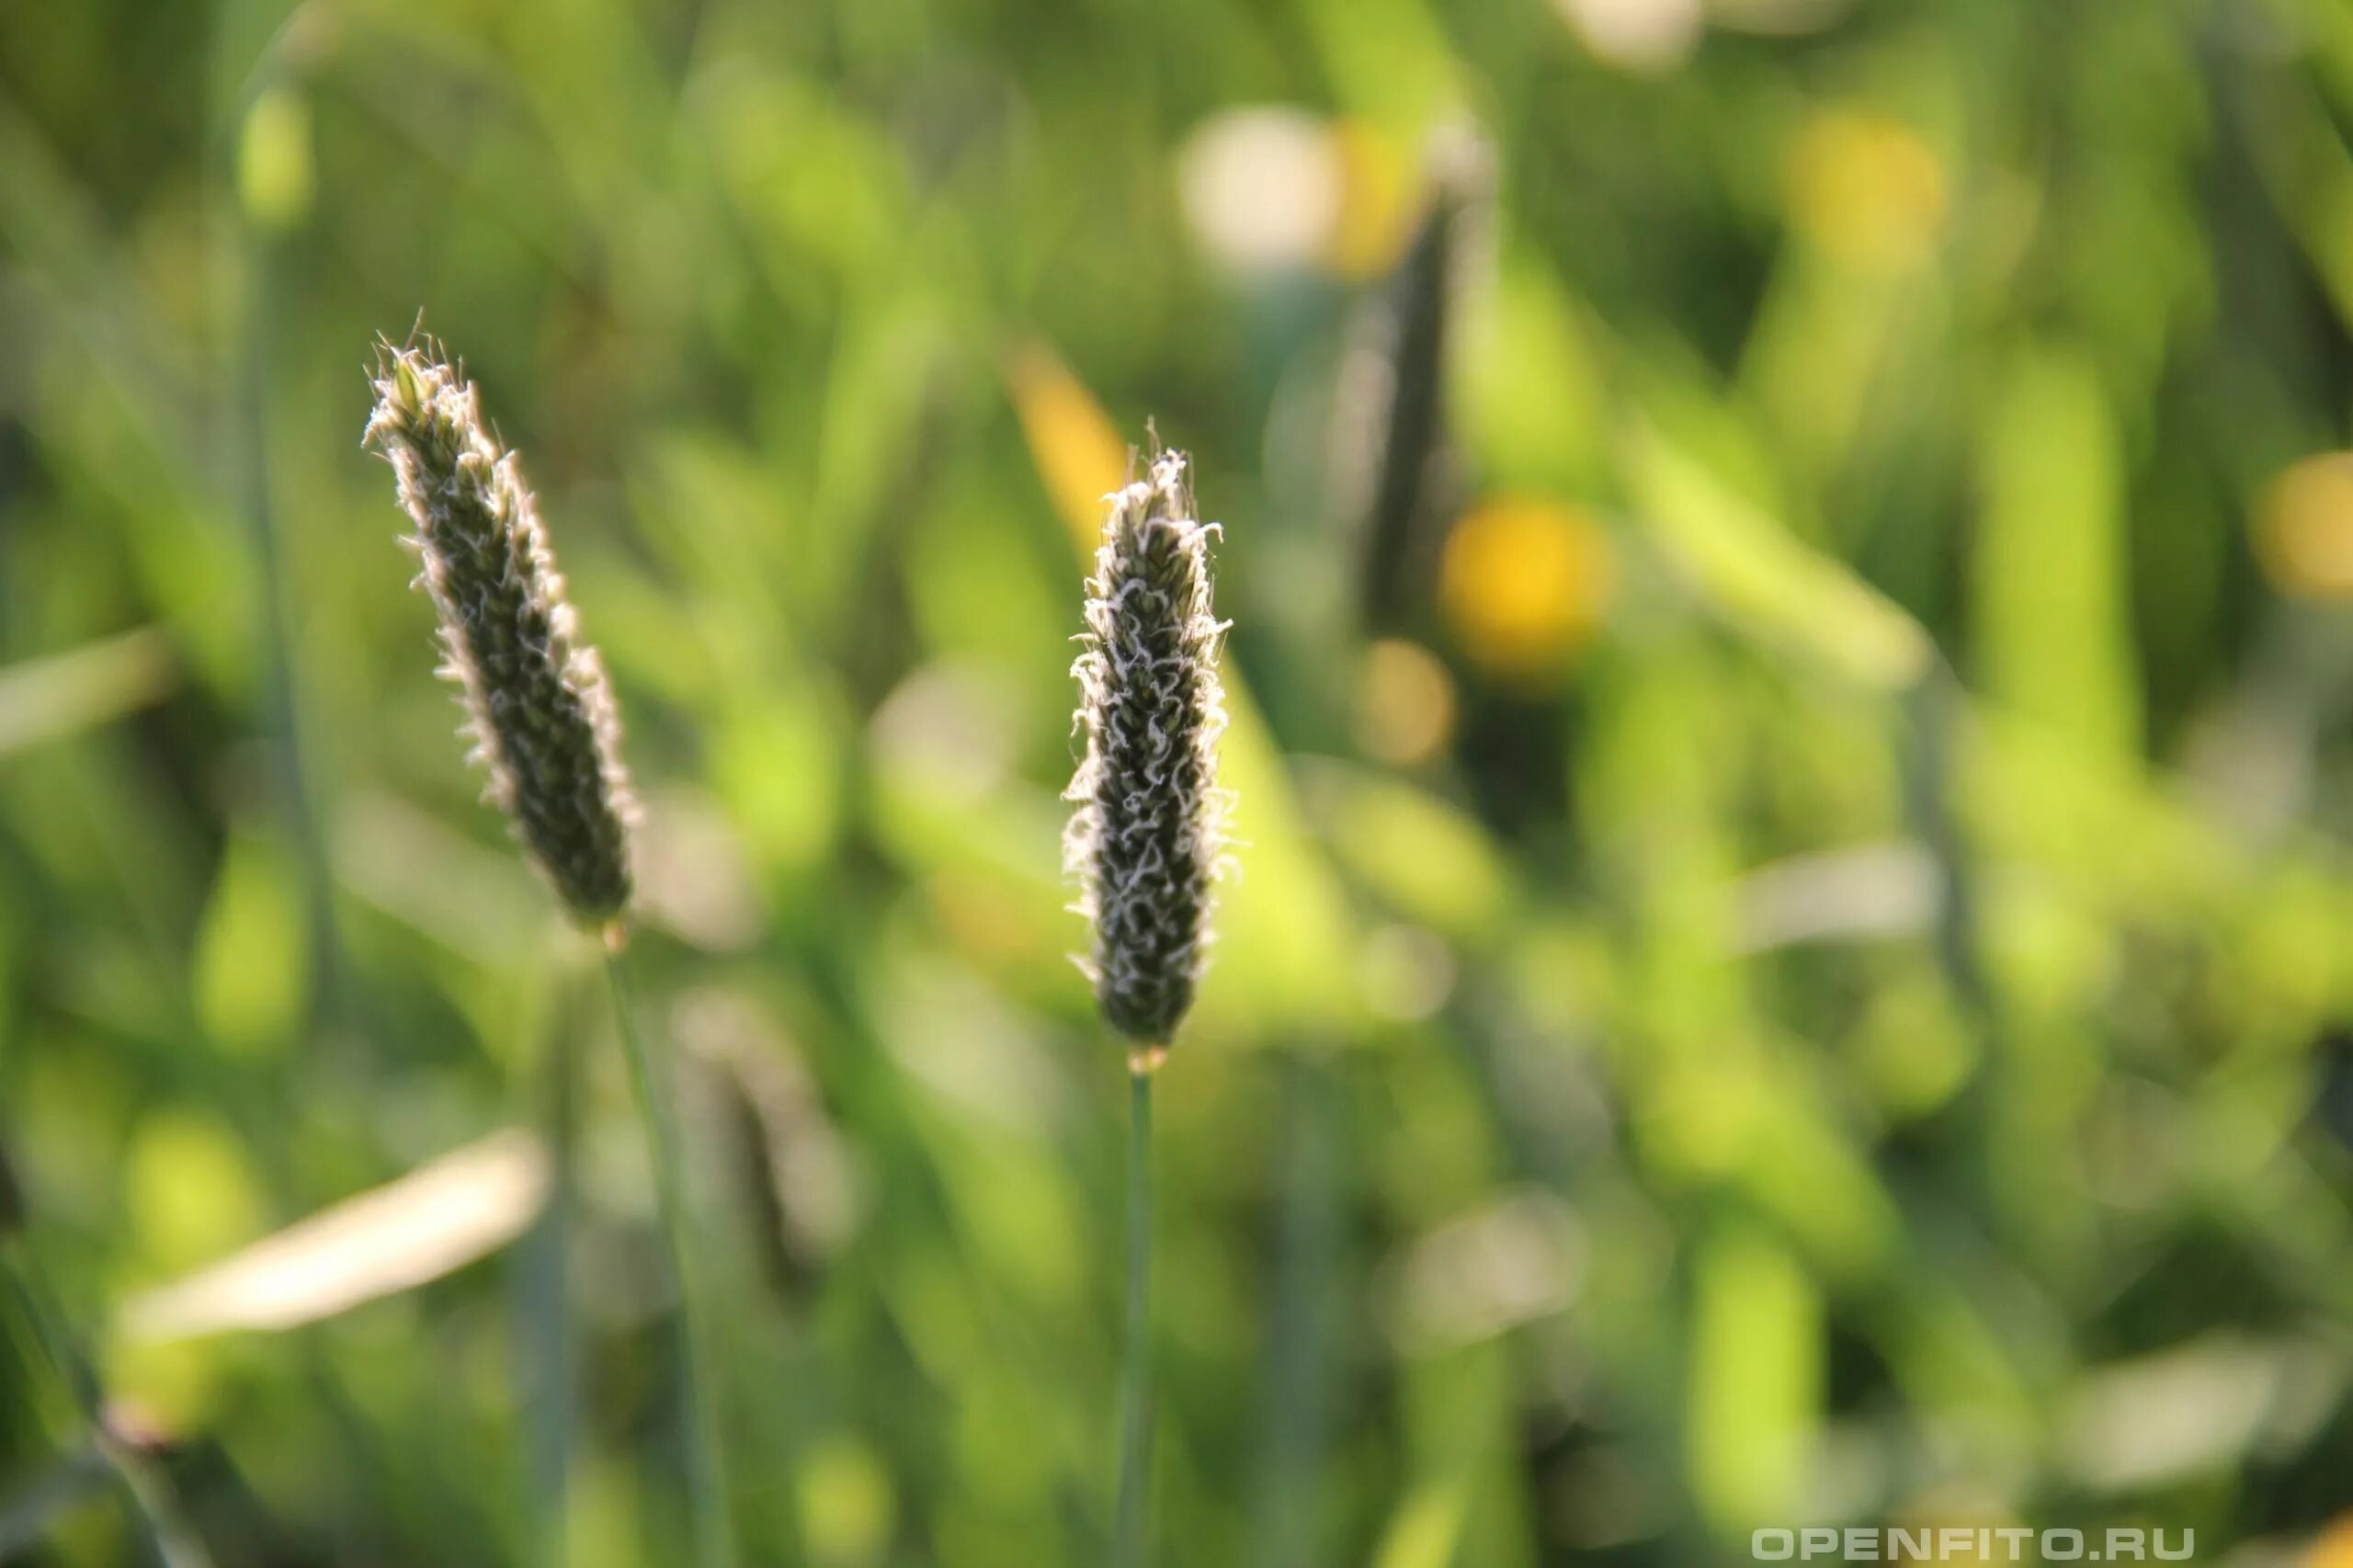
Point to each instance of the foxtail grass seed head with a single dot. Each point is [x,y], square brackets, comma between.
[537,710]
[1148,835]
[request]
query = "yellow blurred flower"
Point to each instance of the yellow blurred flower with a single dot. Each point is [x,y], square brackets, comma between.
[2304,528]
[1865,188]
[1523,582]
[2334,1547]
[1078,452]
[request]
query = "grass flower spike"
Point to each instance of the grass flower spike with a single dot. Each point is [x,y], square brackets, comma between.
[543,723]
[1149,830]
[1145,841]
[542,719]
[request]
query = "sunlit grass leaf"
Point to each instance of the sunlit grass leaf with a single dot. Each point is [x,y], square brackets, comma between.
[1765,579]
[1826,1194]
[1387,60]
[2302,159]
[1426,1527]
[1532,402]
[1430,858]
[475,900]
[252,962]
[1283,956]
[1756,1388]
[1080,454]
[1466,1498]
[2050,614]
[62,694]
[775,761]
[1948,1358]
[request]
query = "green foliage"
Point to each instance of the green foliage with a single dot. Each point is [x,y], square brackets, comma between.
[1802,980]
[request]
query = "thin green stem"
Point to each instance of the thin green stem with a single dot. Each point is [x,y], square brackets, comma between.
[164,1539]
[1299,1366]
[545,1302]
[1129,1550]
[706,1466]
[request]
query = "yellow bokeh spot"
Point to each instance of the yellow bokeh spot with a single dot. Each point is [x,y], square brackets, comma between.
[1378,201]
[274,173]
[1523,582]
[1077,449]
[2304,528]
[164,1388]
[252,956]
[846,1504]
[190,1189]
[1404,703]
[1427,1527]
[1866,189]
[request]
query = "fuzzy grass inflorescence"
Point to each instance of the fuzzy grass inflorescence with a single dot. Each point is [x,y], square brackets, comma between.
[1149,830]
[543,723]
[540,714]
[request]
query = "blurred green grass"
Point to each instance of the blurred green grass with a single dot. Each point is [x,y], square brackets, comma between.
[1786,964]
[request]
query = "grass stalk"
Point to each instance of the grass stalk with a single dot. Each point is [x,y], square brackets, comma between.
[166,1541]
[549,1335]
[1130,1548]
[1300,1365]
[705,1459]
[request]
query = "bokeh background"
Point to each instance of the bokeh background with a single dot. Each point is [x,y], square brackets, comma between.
[1788,570]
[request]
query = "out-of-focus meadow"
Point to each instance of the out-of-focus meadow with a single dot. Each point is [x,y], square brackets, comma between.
[1792,955]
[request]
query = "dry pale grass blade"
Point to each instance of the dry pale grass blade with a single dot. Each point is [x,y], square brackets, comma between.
[2196,1409]
[1863,892]
[62,694]
[1515,1260]
[432,1221]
